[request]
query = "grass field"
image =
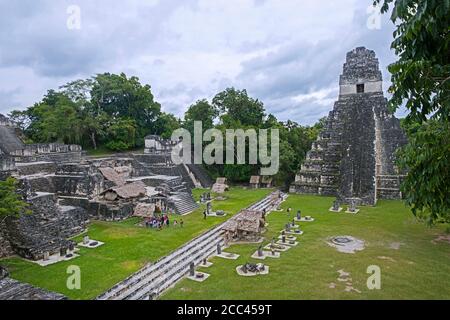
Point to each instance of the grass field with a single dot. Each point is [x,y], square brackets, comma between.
[127,248]
[413,265]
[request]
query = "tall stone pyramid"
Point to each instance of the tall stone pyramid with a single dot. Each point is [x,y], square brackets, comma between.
[354,155]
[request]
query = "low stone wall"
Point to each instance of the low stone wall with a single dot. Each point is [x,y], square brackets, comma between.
[71,180]
[26,169]
[53,157]
[53,152]
[35,149]
[102,211]
[106,212]
[7,163]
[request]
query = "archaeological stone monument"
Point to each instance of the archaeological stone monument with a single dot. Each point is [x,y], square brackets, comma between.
[65,189]
[354,155]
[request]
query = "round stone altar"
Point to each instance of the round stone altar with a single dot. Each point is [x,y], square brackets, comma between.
[346,244]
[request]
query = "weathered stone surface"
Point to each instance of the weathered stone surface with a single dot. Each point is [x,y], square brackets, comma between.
[11,289]
[3,273]
[45,228]
[5,247]
[354,155]
[65,190]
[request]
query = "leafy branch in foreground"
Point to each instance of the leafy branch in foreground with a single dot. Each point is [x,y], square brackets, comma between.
[11,203]
[421,82]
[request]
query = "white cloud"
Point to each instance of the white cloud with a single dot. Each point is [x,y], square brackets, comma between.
[286,53]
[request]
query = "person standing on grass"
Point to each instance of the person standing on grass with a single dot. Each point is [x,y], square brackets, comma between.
[204,214]
[181,223]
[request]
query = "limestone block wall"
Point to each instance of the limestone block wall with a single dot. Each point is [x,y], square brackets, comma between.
[7,163]
[45,229]
[54,152]
[26,169]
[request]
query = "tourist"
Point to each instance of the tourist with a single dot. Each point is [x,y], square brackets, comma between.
[181,223]
[204,214]
[175,223]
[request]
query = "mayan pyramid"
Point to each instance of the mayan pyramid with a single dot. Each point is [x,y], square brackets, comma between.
[354,155]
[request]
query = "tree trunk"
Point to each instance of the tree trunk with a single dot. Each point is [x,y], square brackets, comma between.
[94,143]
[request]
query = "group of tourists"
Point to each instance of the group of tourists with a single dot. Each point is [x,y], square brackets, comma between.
[158,222]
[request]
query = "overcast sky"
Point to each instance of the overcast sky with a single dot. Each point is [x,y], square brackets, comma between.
[287,53]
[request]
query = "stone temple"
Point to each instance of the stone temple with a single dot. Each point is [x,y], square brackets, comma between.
[65,189]
[354,155]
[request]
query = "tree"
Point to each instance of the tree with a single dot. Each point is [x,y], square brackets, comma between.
[427,158]
[93,111]
[240,107]
[126,98]
[421,80]
[55,119]
[121,135]
[421,76]
[166,124]
[202,111]
[11,203]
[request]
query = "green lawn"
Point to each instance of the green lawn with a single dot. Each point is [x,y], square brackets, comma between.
[127,249]
[412,265]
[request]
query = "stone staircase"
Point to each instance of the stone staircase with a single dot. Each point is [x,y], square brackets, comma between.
[388,186]
[152,280]
[319,173]
[201,175]
[183,202]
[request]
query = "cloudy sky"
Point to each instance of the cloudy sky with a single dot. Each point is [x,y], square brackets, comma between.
[287,53]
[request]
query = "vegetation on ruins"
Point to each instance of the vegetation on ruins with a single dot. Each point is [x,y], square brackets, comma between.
[427,157]
[421,81]
[235,109]
[107,110]
[405,251]
[115,112]
[128,248]
[11,203]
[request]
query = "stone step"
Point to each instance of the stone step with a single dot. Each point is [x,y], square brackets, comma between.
[139,279]
[155,278]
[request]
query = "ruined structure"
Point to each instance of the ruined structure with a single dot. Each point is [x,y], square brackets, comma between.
[65,190]
[220,186]
[261,182]
[248,226]
[254,182]
[354,155]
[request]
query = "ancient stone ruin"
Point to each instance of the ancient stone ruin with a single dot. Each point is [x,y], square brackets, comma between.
[66,189]
[354,155]
[220,186]
[248,226]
